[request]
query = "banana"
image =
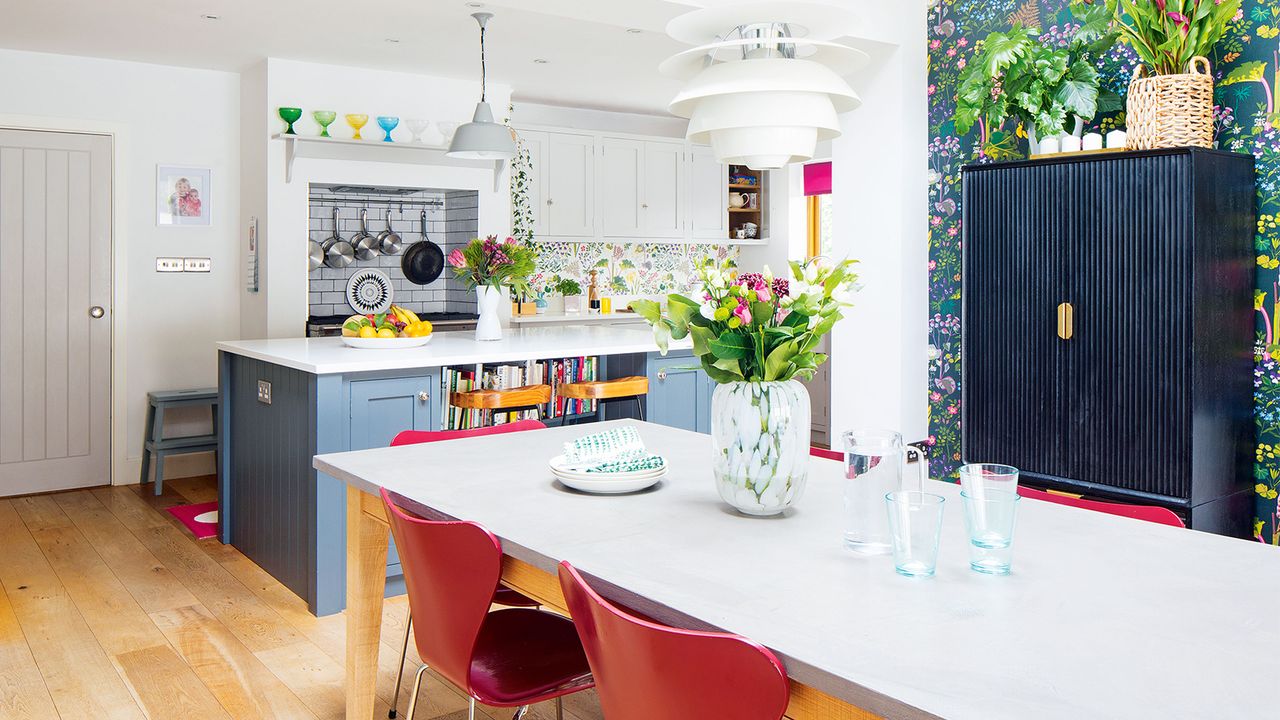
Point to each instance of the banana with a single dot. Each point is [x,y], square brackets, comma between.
[412,315]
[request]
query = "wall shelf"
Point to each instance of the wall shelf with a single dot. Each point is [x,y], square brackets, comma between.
[311,146]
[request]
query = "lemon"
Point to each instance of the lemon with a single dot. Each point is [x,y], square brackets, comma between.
[424,327]
[386,332]
[367,332]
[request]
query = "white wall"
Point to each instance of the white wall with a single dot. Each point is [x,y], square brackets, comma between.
[879,375]
[599,120]
[165,325]
[280,310]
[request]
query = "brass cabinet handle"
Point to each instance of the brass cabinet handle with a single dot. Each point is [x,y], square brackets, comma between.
[1066,326]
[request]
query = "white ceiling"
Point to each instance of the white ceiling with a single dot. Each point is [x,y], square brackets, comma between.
[592,61]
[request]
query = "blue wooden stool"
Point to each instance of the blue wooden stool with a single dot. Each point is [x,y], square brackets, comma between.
[159,446]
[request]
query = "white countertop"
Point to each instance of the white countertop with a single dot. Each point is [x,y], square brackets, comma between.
[1103,616]
[323,356]
[581,318]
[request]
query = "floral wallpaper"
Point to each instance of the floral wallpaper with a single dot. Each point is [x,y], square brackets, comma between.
[1246,66]
[629,268]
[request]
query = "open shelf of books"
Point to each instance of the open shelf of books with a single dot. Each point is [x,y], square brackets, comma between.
[500,376]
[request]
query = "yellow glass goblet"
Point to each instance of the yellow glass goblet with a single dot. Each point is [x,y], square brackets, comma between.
[356,122]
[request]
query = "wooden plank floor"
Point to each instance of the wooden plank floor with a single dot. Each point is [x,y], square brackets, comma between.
[110,608]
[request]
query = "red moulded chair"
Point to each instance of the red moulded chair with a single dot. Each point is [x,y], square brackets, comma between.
[827,454]
[646,671]
[504,595]
[513,657]
[1150,513]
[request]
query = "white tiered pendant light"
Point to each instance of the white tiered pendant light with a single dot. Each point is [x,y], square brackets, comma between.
[765,82]
[482,138]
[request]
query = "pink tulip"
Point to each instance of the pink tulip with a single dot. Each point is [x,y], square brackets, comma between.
[456,259]
[743,312]
[510,241]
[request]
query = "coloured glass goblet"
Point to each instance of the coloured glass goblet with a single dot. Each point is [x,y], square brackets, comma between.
[388,123]
[416,127]
[324,118]
[356,122]
[290,115]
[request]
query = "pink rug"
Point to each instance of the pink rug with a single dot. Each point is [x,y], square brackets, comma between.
[200,519]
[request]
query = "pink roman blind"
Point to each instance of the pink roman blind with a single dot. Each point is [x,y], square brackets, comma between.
[817,178]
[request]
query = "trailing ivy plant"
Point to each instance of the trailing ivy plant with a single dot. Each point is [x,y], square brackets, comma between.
[1014,74]
[521,181]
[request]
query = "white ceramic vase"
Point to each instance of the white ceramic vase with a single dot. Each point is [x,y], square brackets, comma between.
[488,300]
[760,441]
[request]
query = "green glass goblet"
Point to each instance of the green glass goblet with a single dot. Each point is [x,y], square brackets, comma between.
[324,118]
[290,116]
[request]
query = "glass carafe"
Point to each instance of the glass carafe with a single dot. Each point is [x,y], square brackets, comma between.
[874,464]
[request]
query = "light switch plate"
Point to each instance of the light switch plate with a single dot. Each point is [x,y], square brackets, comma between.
[264,392]
[169,264]
[196,264]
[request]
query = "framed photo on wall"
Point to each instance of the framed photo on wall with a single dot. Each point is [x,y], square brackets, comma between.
[184,196]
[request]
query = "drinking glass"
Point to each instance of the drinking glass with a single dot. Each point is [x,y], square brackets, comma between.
[388,123]
[324,118]
[290,116]
[915,524]
[416,126]
[447,129]
[990,521]
[873,468]
[356,122]
[977,478]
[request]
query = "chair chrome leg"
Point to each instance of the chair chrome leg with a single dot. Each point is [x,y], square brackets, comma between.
[404,651]
[520,712]
[560,708]
[417,685]
[471,710]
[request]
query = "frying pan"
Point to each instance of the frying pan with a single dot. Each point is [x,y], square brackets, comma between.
[424,261]
[337,252]
[366,245]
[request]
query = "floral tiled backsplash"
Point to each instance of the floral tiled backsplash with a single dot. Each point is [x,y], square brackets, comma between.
[630,268]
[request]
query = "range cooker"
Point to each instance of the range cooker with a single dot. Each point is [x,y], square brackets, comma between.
[329,326]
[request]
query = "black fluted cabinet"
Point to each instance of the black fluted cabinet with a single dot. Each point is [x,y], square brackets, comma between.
[1108,327]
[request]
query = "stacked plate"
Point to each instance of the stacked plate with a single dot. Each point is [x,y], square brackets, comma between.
[599,483]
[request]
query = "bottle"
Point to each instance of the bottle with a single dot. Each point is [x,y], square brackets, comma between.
[593,294]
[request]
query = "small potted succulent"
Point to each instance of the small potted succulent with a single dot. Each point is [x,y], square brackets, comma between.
[571,290]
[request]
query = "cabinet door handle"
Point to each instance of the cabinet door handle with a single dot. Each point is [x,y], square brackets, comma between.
[548,201]
[424,396]
[662,375]
[1066,327]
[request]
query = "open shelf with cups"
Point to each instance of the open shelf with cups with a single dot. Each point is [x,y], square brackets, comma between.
[747,198]
[331,148]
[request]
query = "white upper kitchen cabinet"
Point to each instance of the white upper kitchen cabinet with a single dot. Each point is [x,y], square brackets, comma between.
[665,189]
[708,195]
[622,187]
[569,186]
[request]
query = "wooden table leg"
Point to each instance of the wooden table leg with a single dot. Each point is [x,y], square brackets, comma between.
[367,533]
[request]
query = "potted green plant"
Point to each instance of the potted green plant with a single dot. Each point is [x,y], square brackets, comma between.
[756,336]
[1050,90]
[571,291]
[489,265]
[1170,102]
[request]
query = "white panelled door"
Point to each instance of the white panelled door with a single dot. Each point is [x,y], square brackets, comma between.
[570,188]
[622,187]
[664,190]
[709,198]
[55,332]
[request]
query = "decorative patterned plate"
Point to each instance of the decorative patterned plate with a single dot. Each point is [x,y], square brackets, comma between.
[369,292]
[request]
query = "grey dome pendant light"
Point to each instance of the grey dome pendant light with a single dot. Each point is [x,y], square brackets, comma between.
[482,138]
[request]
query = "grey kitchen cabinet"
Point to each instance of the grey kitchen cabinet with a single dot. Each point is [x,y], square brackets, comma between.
[679,392]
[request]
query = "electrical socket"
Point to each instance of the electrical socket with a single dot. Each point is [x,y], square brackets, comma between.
[196,265]
[169,264]
[264,392]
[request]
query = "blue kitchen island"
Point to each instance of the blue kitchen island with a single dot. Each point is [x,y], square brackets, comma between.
[284,401]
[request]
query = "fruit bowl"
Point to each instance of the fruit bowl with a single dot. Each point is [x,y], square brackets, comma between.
[376,343]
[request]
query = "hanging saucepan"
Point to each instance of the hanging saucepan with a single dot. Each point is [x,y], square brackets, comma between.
[365,244]
[388,241]
[424,261]
[338,253]
[315,255]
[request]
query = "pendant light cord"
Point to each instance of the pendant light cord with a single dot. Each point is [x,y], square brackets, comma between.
[482,69]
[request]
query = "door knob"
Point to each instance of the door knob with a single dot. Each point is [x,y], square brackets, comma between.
[424,396]
[662,374]
[96,311]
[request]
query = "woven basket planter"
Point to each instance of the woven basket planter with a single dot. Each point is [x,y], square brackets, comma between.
[1167,111]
